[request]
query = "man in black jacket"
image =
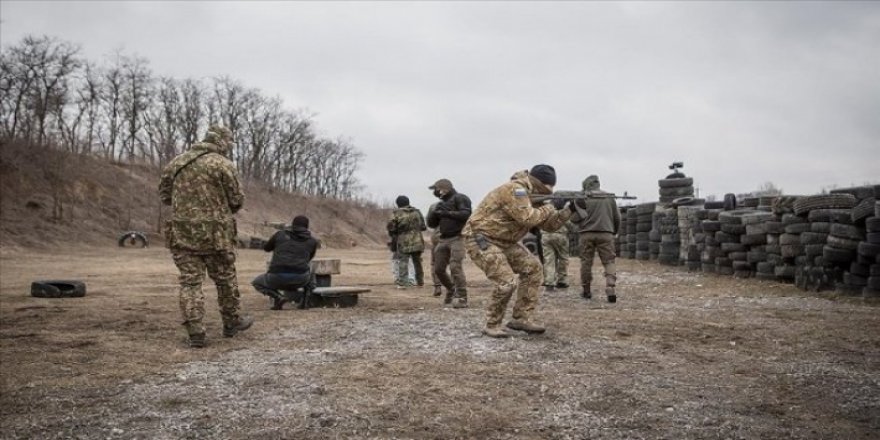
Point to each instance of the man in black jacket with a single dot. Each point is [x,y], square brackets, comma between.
[292,251]
[449,217]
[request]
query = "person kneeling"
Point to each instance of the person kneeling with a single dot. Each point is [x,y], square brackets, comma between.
[292,252]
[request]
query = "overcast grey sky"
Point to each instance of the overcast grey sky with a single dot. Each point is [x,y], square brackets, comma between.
[743,92]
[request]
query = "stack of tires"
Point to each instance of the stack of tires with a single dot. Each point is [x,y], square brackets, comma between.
[675,186]
[711,248]
[644,225]
[867,248]
[791,249]
[688,253]
[669,238]
[755,240]
[631,220]
[620,240]
[655,235]
[734,254]
[829,214]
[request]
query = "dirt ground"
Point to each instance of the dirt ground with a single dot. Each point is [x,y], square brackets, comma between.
[680,356]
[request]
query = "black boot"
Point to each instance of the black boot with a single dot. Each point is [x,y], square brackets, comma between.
[585,294]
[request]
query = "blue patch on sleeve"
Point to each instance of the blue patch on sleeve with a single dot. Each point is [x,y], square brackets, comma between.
[520,192]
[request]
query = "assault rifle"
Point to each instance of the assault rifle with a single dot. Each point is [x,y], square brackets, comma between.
[571,196]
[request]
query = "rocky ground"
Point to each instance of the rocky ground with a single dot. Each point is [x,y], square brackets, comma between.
[679,356]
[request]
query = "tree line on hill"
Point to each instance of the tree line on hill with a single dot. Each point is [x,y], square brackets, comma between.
[50,96]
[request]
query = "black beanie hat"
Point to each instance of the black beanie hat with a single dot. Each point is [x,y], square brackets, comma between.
[545,173]
[402,201]
[301,221]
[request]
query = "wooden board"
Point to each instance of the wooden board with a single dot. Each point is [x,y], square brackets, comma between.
[339,290]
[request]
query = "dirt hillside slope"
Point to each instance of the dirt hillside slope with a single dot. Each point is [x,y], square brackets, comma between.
[49,198]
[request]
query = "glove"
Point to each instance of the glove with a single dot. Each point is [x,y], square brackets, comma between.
[571,207]
[581,203]
[559,203]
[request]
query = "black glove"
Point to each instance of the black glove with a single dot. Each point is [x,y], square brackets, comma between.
[581,203]
[558,203]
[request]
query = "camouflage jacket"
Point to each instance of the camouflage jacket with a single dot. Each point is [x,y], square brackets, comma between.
[406,225]
[203,189]
[506,214]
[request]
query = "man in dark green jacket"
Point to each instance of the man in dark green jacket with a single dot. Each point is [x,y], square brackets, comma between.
[597,221]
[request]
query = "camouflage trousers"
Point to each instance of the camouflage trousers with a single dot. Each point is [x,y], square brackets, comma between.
[403,268]
[220,266]
[512,268]
[450,253]
[555,258]
[603,244]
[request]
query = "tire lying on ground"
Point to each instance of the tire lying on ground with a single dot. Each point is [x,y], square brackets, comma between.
[132,239]
[58,289]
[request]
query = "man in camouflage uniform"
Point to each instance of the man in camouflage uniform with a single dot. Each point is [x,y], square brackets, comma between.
[449,217]
[406,226]
[555,247]
[597,221]
[492,238]
[203,189]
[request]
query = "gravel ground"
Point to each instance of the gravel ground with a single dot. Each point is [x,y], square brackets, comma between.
[679,356]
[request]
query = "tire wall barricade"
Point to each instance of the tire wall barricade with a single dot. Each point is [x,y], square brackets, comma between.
[819,242]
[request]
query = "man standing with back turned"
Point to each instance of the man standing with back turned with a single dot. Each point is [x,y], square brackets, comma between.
[449,217]
[597,221]
[203,189]
[492,239]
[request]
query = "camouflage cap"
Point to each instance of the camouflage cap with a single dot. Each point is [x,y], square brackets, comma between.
[442,184]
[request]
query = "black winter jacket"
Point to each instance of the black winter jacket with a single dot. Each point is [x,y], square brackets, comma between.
[292,250]
[450,214]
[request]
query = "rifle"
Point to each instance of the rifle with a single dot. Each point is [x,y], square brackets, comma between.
[571,196]
[539,247]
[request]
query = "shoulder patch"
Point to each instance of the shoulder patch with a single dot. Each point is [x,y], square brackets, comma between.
[520,192]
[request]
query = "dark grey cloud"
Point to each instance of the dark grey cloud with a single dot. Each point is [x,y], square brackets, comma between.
[743,93]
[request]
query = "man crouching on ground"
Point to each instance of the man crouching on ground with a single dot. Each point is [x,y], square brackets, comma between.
[492,239]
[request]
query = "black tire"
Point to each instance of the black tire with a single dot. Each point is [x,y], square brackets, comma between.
[791,219]
[645,208]
[741,265]
[774,227]
[860,269]
[684,201]
[132,239]
[863,210]
[765,267]
[729,202]
[797,228]
[58,289]
[723,237]
[753,239]
[714,205]
[843,243]
[734,217]
[676,182]
[874,270]
[869,249]
[858,192]
[813,238]
[825,201]
[732,247]
[838,256]
[847,231]
[711,225]
[724,270]
[813,250]
[872,224]
[676,175]
[723,262]
[750,202]
[831,215]
[789,239]
[755,229]
[820,227]
[873,283]
[756,257]
[674,193]
[791,250]
[733,229]
[873,237]
[738,256]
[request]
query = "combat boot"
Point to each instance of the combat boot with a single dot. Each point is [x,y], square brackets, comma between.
[525,326]
[495,332]
[459,303]
[197,340]
[561,285]
[585,294]
[448,298]
[244,323]
[438,291]
[548,287]
[612,297]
